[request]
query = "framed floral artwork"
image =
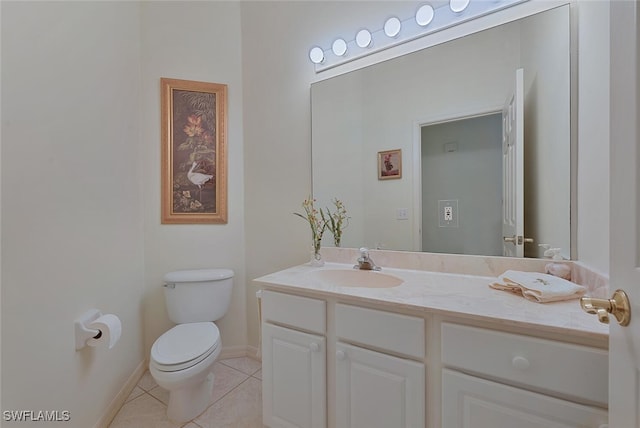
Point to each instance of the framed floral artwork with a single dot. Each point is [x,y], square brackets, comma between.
[390,164]
[194,151]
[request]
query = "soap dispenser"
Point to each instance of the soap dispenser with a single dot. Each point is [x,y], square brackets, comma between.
[561,270]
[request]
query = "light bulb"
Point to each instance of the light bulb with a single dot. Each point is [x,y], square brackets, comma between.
[316,55]
[424,15]
[363,38]
[392,27]
[458,6]
[339,47]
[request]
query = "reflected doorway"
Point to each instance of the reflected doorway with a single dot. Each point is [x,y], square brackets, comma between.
[461,180]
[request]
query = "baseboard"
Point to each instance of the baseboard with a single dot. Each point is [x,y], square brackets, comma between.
[253,352]
[239,351]
[117,403]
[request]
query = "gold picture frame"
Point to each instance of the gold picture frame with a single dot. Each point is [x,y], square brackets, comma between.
[194,151]
[390,164]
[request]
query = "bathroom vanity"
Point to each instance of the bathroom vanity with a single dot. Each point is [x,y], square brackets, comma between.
[349,348]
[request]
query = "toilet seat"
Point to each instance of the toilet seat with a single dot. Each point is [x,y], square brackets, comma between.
[184,346]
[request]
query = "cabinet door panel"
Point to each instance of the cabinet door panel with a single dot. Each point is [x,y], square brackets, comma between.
[293,378]
[471,402]
[375,390]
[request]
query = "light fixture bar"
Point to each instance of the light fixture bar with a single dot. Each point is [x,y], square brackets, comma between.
[444,16]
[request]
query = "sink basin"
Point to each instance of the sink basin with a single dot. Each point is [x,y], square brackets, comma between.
[357,278]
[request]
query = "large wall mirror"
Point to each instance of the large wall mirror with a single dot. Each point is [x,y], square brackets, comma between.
[445,113]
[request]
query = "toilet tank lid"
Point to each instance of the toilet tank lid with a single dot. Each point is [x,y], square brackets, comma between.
[196,275]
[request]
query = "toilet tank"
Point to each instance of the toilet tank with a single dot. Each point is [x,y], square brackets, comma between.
[198,295]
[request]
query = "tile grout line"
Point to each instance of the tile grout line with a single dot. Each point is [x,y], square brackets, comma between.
[192,421]
[156,398]
[228,392]
[231,367]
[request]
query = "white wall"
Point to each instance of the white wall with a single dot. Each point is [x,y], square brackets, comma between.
[545,47]
[276,114]
[593,133]
[72,220]
[193,41]
[81,188]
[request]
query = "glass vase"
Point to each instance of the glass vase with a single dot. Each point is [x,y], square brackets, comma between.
[316,258]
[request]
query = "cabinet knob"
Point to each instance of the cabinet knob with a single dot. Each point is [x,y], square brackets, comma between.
[341,355]
[314,347]
[520,363]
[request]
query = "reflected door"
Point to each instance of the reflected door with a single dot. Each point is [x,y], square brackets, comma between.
[513,170]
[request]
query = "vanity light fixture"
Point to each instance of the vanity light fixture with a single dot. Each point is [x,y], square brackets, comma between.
[458,6]
[430,17]
[363,38]
[392,27]
[339,47]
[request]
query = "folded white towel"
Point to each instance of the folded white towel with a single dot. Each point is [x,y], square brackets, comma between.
[538,287]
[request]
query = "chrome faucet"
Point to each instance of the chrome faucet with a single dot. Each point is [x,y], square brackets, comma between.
[365,262]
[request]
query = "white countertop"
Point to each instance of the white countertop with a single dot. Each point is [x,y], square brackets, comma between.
[446,293]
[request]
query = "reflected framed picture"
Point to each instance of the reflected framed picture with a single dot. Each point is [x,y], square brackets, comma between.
[390,164]
[194,151]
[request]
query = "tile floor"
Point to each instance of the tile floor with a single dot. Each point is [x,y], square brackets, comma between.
[236,401]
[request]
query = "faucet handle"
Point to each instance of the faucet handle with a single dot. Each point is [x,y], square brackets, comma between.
[364,252]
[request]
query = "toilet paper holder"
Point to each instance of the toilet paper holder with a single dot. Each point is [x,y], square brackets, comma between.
[83,333]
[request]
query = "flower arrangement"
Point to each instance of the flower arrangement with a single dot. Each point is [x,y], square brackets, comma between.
[336,221]
[321,220]
[316,222]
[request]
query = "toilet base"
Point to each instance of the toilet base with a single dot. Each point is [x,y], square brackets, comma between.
[187,403]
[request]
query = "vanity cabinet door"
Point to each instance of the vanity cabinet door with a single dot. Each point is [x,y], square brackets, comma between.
[293,378]
[471,402]
[375,390]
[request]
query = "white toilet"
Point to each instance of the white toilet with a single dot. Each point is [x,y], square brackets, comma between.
[182,358]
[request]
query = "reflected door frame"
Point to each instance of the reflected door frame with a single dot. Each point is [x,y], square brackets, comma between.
[417,158]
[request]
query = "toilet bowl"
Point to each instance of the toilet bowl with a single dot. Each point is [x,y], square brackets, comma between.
[181,362]
[182,358]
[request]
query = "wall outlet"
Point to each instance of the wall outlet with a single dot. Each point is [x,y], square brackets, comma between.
[402,214]
[448,213]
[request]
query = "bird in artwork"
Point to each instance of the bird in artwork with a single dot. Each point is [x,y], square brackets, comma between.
[198,178]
